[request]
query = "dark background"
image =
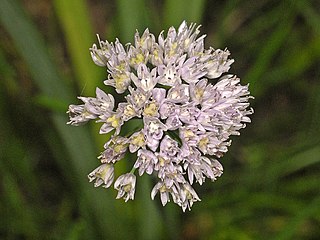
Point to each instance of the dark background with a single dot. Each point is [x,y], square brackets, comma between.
[270,186]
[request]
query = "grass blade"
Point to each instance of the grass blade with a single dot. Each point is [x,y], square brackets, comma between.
[177,11]
[132,15]
[74,19]
[46,77]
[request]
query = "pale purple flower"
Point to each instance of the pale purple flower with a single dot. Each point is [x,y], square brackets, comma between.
[212,144]
[189,113]
[138,97]
[153,129]
[159,95]
[189,135]
[199,91]
[178,93]
[79,115]
[192,70]
[146,41]
[137,141]
[173,122]
[168,109]
[176,109]
[168,168]
[145,78]
[119,79]
[126,186]
[218,63]
[91,109]
[169,146]
[115,150]
[111,121]
[156,57]
[146,161]
[200,168]
[128,111]
[104,175]
[165,192]
[169,74]
[187,196]
[137,56]
[100,56]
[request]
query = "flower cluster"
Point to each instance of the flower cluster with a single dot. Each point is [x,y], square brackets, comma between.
[185,108]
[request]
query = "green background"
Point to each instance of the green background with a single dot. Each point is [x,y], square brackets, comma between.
[270,186]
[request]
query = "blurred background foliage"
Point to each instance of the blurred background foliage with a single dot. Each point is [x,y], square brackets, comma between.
[270,188]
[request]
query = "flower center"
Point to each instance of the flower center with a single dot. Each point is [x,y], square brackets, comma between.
[118,148]
[151,109]
[173,49]
[203,143]
[114,120]
[139,58]
[121,80]
[129,111]
[127,188]
[138,140]
[199,93]
[139,99]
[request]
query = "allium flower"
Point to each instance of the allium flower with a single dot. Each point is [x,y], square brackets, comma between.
[126,186]
[104,175]
[184,106]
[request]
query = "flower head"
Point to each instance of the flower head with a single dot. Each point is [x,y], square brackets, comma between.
[183,104]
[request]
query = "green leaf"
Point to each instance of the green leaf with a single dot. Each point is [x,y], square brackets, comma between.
[132,15]
[45,75]
[175,11]
[268,53]
[74,19]
[294,225]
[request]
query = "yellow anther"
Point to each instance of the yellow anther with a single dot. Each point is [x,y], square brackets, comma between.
[162,161]
[127,188]
[163,188]
[151,109]
[120,80]
[119,148]
[121,66]
[114,120]
[173,49]
[139,58]
[138,140]
[203,142]
[129,110]
[199,93]
[188,133]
